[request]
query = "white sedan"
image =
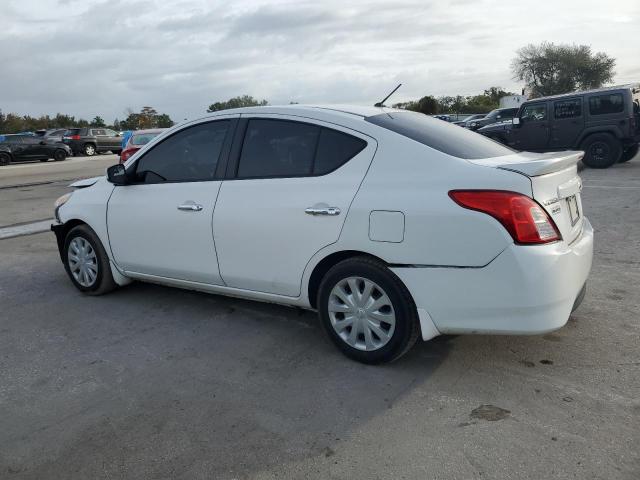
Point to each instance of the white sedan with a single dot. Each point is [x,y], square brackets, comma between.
[391,224]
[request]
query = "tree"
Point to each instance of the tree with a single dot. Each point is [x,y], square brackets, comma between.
[237,102]
[98,122]
[427,105]
[550,69]
[147,118]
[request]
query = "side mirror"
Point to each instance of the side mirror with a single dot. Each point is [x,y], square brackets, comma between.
[516,121]
[117,174]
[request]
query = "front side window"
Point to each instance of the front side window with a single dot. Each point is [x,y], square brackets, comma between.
[190,155]
[99,132]
[534,113]
[283,148]
[603,104]
[567,108]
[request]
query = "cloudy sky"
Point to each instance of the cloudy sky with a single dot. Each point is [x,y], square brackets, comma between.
[100,57]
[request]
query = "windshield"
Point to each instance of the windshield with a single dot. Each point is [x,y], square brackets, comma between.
[442,136]
[143,138]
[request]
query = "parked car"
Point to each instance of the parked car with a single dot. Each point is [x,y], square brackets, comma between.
[89,140]
[137,140]
[30,147]
[391,224]
[494,116]
[604,123]
[471,118]
[52,134]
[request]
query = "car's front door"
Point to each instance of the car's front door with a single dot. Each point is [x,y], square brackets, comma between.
[33,148]
[293,182]
[533,132]
[567,123]
[162,225]
[113,140]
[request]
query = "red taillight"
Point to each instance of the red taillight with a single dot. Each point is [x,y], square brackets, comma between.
[524,219]
[74,137]
[126,154]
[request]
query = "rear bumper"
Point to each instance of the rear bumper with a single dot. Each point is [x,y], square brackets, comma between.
[524,290]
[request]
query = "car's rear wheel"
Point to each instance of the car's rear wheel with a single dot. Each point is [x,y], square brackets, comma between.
[629,153]
[89,149]
[59,155]
[367,311]
[5,159]
[601,151]
[86,261]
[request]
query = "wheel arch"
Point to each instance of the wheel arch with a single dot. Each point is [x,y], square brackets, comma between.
[324,265]
[615,133]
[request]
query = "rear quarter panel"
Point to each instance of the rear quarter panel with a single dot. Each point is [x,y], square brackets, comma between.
[409,177]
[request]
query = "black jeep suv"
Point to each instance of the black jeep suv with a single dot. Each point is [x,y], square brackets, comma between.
[90,140]
[604,123]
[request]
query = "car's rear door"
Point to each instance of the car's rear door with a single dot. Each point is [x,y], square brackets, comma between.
[290,187]
[567,122]
[162,225]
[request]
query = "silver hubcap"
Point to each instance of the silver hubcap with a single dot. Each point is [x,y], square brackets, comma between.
[361,313]
[90,150]
[83,262]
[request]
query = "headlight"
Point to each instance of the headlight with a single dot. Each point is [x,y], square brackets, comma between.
[60,202]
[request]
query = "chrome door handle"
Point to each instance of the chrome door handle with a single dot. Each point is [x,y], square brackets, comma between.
[190,207]
[322,211]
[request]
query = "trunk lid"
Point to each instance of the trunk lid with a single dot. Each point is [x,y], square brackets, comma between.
[555,185]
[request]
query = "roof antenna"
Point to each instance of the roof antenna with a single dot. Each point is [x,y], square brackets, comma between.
[381,104]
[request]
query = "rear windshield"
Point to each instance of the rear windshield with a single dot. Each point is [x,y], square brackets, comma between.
[143,138]
[73,131]
[443,136]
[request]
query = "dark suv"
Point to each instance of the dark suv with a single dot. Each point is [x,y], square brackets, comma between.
[494,116]
[92,140]
[30,147]
[604,123]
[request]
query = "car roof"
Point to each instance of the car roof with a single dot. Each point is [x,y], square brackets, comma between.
[149,130]
[629,86]
[352,111]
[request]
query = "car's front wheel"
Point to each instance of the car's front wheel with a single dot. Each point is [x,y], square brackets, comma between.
[5,158]
[86,261]
[367,311]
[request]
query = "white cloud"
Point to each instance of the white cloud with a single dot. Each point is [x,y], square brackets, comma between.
[95,57]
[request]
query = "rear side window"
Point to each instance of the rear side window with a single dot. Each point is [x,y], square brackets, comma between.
[442,136]
[283,148]
[603,104]
[334,150]
[567,108]
[190,155]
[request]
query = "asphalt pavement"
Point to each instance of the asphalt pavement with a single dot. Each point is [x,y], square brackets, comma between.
[153,382]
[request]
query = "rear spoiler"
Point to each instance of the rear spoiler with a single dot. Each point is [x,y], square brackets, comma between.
[533,164]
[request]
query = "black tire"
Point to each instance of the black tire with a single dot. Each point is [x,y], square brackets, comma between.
[407,327]
[601,150]
[5,158]
[116,152]
[59,155]
[629,153]
[103,282]
[89,149]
